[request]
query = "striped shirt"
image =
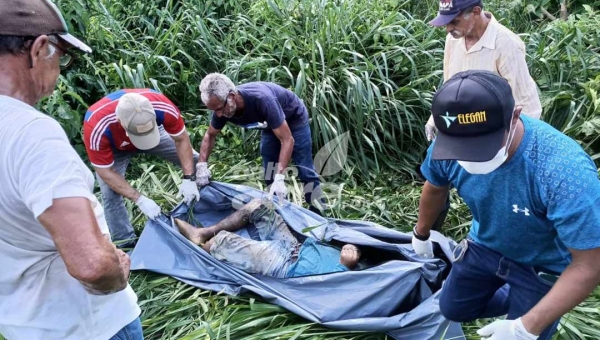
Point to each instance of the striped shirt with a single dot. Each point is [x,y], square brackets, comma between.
[500,51]
[102,133]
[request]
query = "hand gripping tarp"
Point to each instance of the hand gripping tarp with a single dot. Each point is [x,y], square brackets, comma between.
[391,292]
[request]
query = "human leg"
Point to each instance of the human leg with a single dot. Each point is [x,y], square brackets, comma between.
[472,290]
[231,223]
[270,258]
[133,331]
[270,225]
[302,156]
[116,214]
[527,288]
[270,146]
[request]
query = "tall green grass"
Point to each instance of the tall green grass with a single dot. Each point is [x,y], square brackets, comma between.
[369,68]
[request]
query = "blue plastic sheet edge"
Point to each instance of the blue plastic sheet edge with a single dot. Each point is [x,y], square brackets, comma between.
[362,300]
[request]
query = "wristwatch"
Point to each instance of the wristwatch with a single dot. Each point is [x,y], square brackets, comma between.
[191,177]
[418,236]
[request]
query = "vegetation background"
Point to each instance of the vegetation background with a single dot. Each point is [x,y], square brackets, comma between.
[369,68]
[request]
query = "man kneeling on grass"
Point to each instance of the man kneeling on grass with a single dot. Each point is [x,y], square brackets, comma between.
[279,254]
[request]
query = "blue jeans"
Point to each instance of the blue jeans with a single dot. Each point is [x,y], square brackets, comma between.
[484,284]
[133,331]
[270,146]
[117,218]
[272,256]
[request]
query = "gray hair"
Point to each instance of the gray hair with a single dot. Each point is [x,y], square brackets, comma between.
[215,84]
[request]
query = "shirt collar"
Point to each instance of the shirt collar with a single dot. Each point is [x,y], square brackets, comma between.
[488,39]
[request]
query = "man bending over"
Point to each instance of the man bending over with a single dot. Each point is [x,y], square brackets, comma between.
[278,254]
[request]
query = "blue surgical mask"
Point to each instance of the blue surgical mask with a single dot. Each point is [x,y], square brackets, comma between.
[482,168]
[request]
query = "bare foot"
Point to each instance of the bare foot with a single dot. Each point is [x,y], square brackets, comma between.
[196,235]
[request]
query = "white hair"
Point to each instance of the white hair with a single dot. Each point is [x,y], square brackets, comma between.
[215,84]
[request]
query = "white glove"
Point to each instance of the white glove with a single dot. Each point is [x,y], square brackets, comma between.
[202,174]
[430,129]
[189,191]
[148,207]
[422,248]
[278,187]
[506,330]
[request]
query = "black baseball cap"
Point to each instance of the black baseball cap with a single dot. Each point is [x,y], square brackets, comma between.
[450,9]
[472,112]
[32,18]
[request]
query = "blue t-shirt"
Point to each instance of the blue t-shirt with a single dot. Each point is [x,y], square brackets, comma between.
[315,259]
[266,102]
[545,199]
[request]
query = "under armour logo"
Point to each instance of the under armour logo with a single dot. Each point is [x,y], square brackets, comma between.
[448,119]
[124,144]
[516,210]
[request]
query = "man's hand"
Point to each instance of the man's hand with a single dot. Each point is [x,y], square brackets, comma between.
[202,174]
[278,187]
[430,129]
[350,255]
[506,330]
[422,245]
[189,191]
[148,207]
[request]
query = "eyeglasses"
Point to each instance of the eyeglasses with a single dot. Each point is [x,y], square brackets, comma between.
[66,58]
[224,103]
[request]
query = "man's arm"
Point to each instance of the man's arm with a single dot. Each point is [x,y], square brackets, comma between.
[185,152]
[431,204]
[287,146]
[118,183]
[208,142]
[573,286]
[88,255]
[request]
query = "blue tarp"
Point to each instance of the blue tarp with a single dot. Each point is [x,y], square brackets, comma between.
[394,291]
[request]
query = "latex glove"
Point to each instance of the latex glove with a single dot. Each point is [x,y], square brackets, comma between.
[422,248]
[430,129]
[189,191]
[148,207]
[506,330]
[278,187]
[202,174]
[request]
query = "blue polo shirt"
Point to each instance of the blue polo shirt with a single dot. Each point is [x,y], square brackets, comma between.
[315,259]
[266,102]
[545,199]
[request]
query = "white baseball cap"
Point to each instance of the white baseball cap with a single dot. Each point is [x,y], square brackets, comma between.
[137,116]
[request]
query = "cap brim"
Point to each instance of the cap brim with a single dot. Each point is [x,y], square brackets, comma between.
[145,142]
[467,148]
[78,44]
[443,19]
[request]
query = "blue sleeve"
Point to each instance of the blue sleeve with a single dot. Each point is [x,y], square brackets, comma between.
[271,108]
[573,200]
[434,171]
[217,123]
[340,268]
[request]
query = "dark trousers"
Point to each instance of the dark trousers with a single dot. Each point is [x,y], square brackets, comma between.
[270,146]
[484,284]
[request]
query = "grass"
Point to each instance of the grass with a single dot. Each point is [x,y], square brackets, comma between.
[174,310]
[369,68]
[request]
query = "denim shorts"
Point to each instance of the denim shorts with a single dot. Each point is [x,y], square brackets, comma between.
[271,256]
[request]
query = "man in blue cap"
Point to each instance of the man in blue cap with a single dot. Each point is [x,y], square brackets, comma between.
[534,194]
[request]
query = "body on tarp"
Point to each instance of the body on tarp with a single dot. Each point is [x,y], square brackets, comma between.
[393,290]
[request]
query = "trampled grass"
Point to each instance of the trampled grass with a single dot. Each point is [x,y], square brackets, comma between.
[174,310]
